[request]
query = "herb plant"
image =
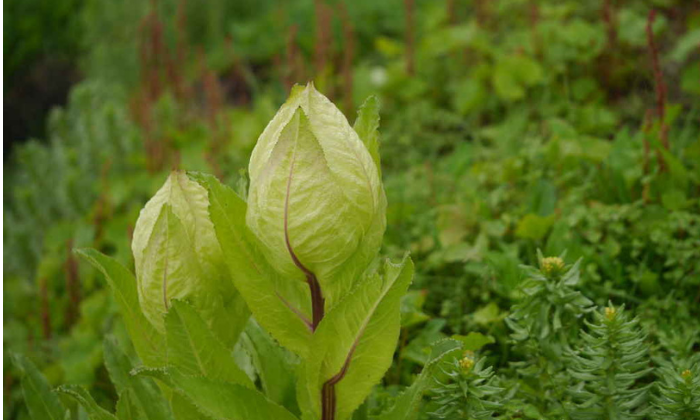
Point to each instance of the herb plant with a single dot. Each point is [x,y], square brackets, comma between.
[299,255]
[508,127]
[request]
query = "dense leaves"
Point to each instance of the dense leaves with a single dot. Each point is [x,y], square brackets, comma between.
[539,159]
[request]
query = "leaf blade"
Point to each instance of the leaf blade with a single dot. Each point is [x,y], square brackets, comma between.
[357,337]
[83,397]
[147,397]
[219,399]
[146,339]
[41,401]
[194,349]
[271,301]
[367,127]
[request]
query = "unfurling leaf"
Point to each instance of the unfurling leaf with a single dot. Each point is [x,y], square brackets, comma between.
[177,256]
[315,200]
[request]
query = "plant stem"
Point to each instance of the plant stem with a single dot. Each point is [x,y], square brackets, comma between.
[317,300]
[328,401]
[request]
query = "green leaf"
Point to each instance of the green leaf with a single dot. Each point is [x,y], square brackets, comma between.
[674,199]
[278,305]
[308,171]
[170,268]
[474,341]
[679,173]
[506,84]
[411,308]
[188,201]
[41,402]
[82,397]
[418,349]
[147,341]
[367,127]
[274,364]
[177,256]
[184,409]
[127,408]
[406,405]
[534,227]
[195,350]
[147,398]
[221,400]
[355,342]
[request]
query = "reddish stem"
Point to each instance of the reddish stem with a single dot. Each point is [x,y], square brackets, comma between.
[409,6]
[659,84]
[72,285]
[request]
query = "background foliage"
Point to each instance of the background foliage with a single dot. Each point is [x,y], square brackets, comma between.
[508,127]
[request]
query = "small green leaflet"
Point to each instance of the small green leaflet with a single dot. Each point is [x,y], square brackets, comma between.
[367,127]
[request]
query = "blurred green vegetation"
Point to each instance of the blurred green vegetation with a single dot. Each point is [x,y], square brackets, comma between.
[507,126]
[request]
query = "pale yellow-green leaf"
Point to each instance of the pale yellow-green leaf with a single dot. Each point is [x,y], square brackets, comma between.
[315,192]
[177,256]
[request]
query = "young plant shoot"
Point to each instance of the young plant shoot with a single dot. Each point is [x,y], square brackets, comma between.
[299,253]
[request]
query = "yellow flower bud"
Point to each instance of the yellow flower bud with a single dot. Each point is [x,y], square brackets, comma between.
[552,266]
[610,313]
[466,363]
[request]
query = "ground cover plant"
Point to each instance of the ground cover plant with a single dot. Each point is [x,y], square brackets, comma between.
[369,210]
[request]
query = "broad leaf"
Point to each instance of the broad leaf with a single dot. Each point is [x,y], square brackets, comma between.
[184,408]
[147,396]
[188,202]
[41,402]
[308,171]
[148,342]
[277,306]
[195,350]
[221,400]
[177,256]
[82,397]
[355,342]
